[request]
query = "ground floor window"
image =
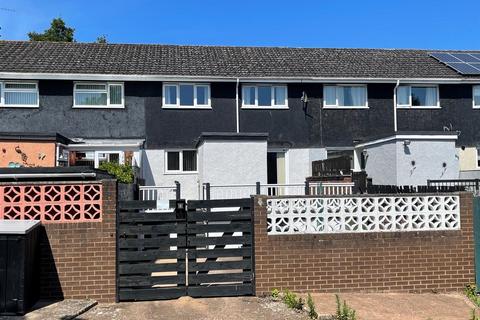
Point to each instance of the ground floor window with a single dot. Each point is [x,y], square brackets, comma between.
[93,159]
[181,161]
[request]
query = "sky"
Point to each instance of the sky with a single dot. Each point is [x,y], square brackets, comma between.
[419,24]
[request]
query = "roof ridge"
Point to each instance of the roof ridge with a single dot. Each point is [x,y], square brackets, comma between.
[236,46]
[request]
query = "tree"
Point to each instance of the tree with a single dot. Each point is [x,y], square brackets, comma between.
[58,32]
[101,39]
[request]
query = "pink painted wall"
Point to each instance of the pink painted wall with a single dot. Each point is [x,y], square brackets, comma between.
[27,153]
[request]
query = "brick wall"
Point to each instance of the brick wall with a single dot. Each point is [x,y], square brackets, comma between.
[397,262]
[78,259]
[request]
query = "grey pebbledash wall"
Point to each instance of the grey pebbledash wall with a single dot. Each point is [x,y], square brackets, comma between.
[297,127]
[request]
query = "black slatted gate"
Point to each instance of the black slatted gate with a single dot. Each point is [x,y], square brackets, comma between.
[220,238]
[205,253]
[151,251]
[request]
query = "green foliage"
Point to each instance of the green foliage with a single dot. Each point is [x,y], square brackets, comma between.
[58,32]
[101,39]
[292,301]
[275,293]
[344,312]
[474,315]
[123,172]
[471,293]
[312,313]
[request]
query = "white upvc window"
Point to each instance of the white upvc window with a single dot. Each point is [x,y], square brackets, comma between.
[98,95]
[186,95]
[265,96]
[345,96]
[476,97]
[418,96]
[19,94]
[180,161]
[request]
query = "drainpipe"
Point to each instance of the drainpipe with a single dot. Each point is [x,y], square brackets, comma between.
[238,106]
[395,106]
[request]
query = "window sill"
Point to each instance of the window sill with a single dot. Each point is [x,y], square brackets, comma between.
[176,173]
[419,108]
[346,108]
[188,108]
[476,107]
[265,108]
[98,107]
[18,106]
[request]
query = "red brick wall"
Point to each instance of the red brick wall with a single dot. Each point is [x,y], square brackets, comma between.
[397,262]
[78,259]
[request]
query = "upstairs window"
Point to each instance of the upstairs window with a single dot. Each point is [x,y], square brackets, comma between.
[181,161]
[186,95]
[476,97]
[19,94]
[264,96]
[345,96]
[98,95]
[418,96]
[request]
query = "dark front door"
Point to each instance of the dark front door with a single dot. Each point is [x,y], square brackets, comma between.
[272,177]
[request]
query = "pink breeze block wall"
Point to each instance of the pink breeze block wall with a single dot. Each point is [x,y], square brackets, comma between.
[52,202]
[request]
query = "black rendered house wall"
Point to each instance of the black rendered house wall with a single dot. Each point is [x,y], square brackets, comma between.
[297,126]
[55,114]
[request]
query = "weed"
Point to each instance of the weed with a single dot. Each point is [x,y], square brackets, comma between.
[312,313]
[471,293]
[275,293]
[292,301]
[344,312]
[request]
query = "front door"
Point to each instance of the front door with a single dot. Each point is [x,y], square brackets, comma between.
[276,171]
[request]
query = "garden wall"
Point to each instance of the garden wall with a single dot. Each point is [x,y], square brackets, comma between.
[406,261]
[77,242]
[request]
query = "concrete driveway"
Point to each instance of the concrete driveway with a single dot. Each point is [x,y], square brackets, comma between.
[369,306]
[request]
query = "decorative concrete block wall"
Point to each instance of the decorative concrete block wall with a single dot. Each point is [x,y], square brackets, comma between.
[408,261]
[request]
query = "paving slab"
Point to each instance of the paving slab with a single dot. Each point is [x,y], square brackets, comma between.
[186,308]
[61,310]
[397,306]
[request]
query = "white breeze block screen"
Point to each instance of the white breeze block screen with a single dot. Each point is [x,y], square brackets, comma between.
[363,214]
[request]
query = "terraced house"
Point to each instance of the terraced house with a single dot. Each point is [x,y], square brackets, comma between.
[240,115]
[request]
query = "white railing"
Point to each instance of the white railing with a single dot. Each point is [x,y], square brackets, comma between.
[232,191]
[331,188]
[282,189]
[363,214]
[157,193]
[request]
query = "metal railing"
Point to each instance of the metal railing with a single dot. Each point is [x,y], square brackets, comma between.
[160,193]
[234,191]
[331,188]
[472,185]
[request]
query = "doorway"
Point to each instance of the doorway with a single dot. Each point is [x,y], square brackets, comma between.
[276,167]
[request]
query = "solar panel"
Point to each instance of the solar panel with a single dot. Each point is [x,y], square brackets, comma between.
[464,68]
[465,57]
[445,57]
[463,62]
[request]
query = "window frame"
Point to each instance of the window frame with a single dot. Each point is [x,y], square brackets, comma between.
[108,85]
[475,106]
[195,104]
[410,106]
[272,106]
[180,159]
[3,90]
[336,105]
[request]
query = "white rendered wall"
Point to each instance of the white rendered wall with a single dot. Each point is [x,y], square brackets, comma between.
[299,163]
[153,168]
[233,162]
[429,157]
